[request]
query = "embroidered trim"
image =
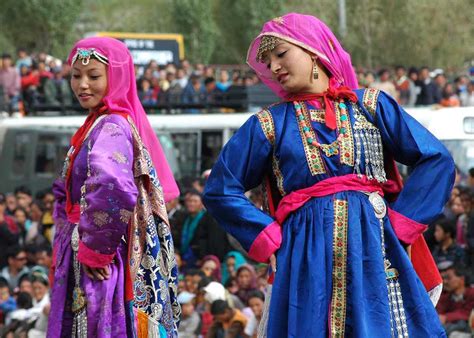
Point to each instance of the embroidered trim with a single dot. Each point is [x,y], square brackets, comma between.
[278,175]
[338,300]
[313,156]
[266,122]
[346,145]
[369,100]
[317,115]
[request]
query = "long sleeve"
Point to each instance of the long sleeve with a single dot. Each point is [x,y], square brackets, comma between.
[240,167]
[110,193]
[427,189]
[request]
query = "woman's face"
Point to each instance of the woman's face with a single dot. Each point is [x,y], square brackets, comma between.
[230,264]
[291,66]
[89,83]
[243,279]
[256,304]
[208,267]
[439,234]
[39,290]
[194,204]
[20,217]
[457,207]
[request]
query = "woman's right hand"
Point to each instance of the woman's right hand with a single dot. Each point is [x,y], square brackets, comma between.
[97,273]
[273,263]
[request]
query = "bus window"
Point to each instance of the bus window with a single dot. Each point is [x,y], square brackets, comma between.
[210,148]
[20,153]
[186,149]
[46,155]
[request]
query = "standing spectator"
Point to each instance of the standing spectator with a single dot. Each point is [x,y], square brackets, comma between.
[384,83]
[369,79]
[467,97]
[10,82]
[428,92]
[228,322]
[224,81]
[57,90]
[190,325]
[186,65]
[440,82]
[9,236]
[457,300]
[182,78]
[23,197]
[23,59]
[402,85]
[11,204]
[23,222]
[449,97]
[210,86]
[414,88]
[446,248]
[146,94]
[194,93]
[17,260]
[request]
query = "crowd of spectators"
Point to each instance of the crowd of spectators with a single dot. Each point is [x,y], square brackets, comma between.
[40,80]
[26,233]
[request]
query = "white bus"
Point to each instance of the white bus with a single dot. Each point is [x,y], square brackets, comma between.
[32,149]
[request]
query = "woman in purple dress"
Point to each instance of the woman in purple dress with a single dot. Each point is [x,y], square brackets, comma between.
[115,273]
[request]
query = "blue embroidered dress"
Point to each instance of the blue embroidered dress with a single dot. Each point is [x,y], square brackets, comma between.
[305,302]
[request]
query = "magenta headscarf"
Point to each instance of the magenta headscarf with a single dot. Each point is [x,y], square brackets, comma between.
[122,97]
[216,274]
[311,34]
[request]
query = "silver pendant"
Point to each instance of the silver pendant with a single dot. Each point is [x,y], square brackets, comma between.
[378,204]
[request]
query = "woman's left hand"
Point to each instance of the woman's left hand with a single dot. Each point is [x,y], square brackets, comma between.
[97,273]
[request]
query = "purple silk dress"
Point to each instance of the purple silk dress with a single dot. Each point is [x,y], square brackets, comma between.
[110,196]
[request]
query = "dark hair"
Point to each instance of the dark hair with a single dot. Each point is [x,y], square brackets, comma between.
[4,283]
[24,300]
[45,247]
[383,71]
[6,56]
[13,251]
[23,210]
[194,272]
[204,282]
[219,307]
[471,172]
[193,192]
[209,80]
[400,67]
[256,294]
[25,276]
[448,226]
[22,189]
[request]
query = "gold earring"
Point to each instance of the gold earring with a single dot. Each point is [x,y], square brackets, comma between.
[315,70]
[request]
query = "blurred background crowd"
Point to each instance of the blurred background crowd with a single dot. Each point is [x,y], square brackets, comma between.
[220,288]
[29,82]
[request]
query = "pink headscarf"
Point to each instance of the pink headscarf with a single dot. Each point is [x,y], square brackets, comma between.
[311,34]
[122,97]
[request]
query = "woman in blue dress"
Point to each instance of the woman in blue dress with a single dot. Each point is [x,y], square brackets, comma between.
[339,237]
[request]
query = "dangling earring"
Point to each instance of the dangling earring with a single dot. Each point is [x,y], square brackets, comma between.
[315,70]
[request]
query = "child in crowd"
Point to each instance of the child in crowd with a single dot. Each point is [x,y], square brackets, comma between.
[190,325]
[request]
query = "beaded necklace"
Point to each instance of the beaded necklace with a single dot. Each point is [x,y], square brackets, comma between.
[333,147]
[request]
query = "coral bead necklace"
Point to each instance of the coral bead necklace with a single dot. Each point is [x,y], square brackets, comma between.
[331,148]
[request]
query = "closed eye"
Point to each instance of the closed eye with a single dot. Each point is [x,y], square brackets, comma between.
[280,55]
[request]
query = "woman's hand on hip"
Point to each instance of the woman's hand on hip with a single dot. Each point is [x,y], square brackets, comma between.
[97,273]
[273,263]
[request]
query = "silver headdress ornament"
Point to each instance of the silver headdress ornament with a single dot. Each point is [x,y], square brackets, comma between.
[85,56]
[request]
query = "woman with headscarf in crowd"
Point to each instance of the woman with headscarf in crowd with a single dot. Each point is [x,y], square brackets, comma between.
[115,272]
[211,266]
[232,261]
[246,281]
[325,154]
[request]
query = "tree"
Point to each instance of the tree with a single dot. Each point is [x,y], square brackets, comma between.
[194,19]
[45,25]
